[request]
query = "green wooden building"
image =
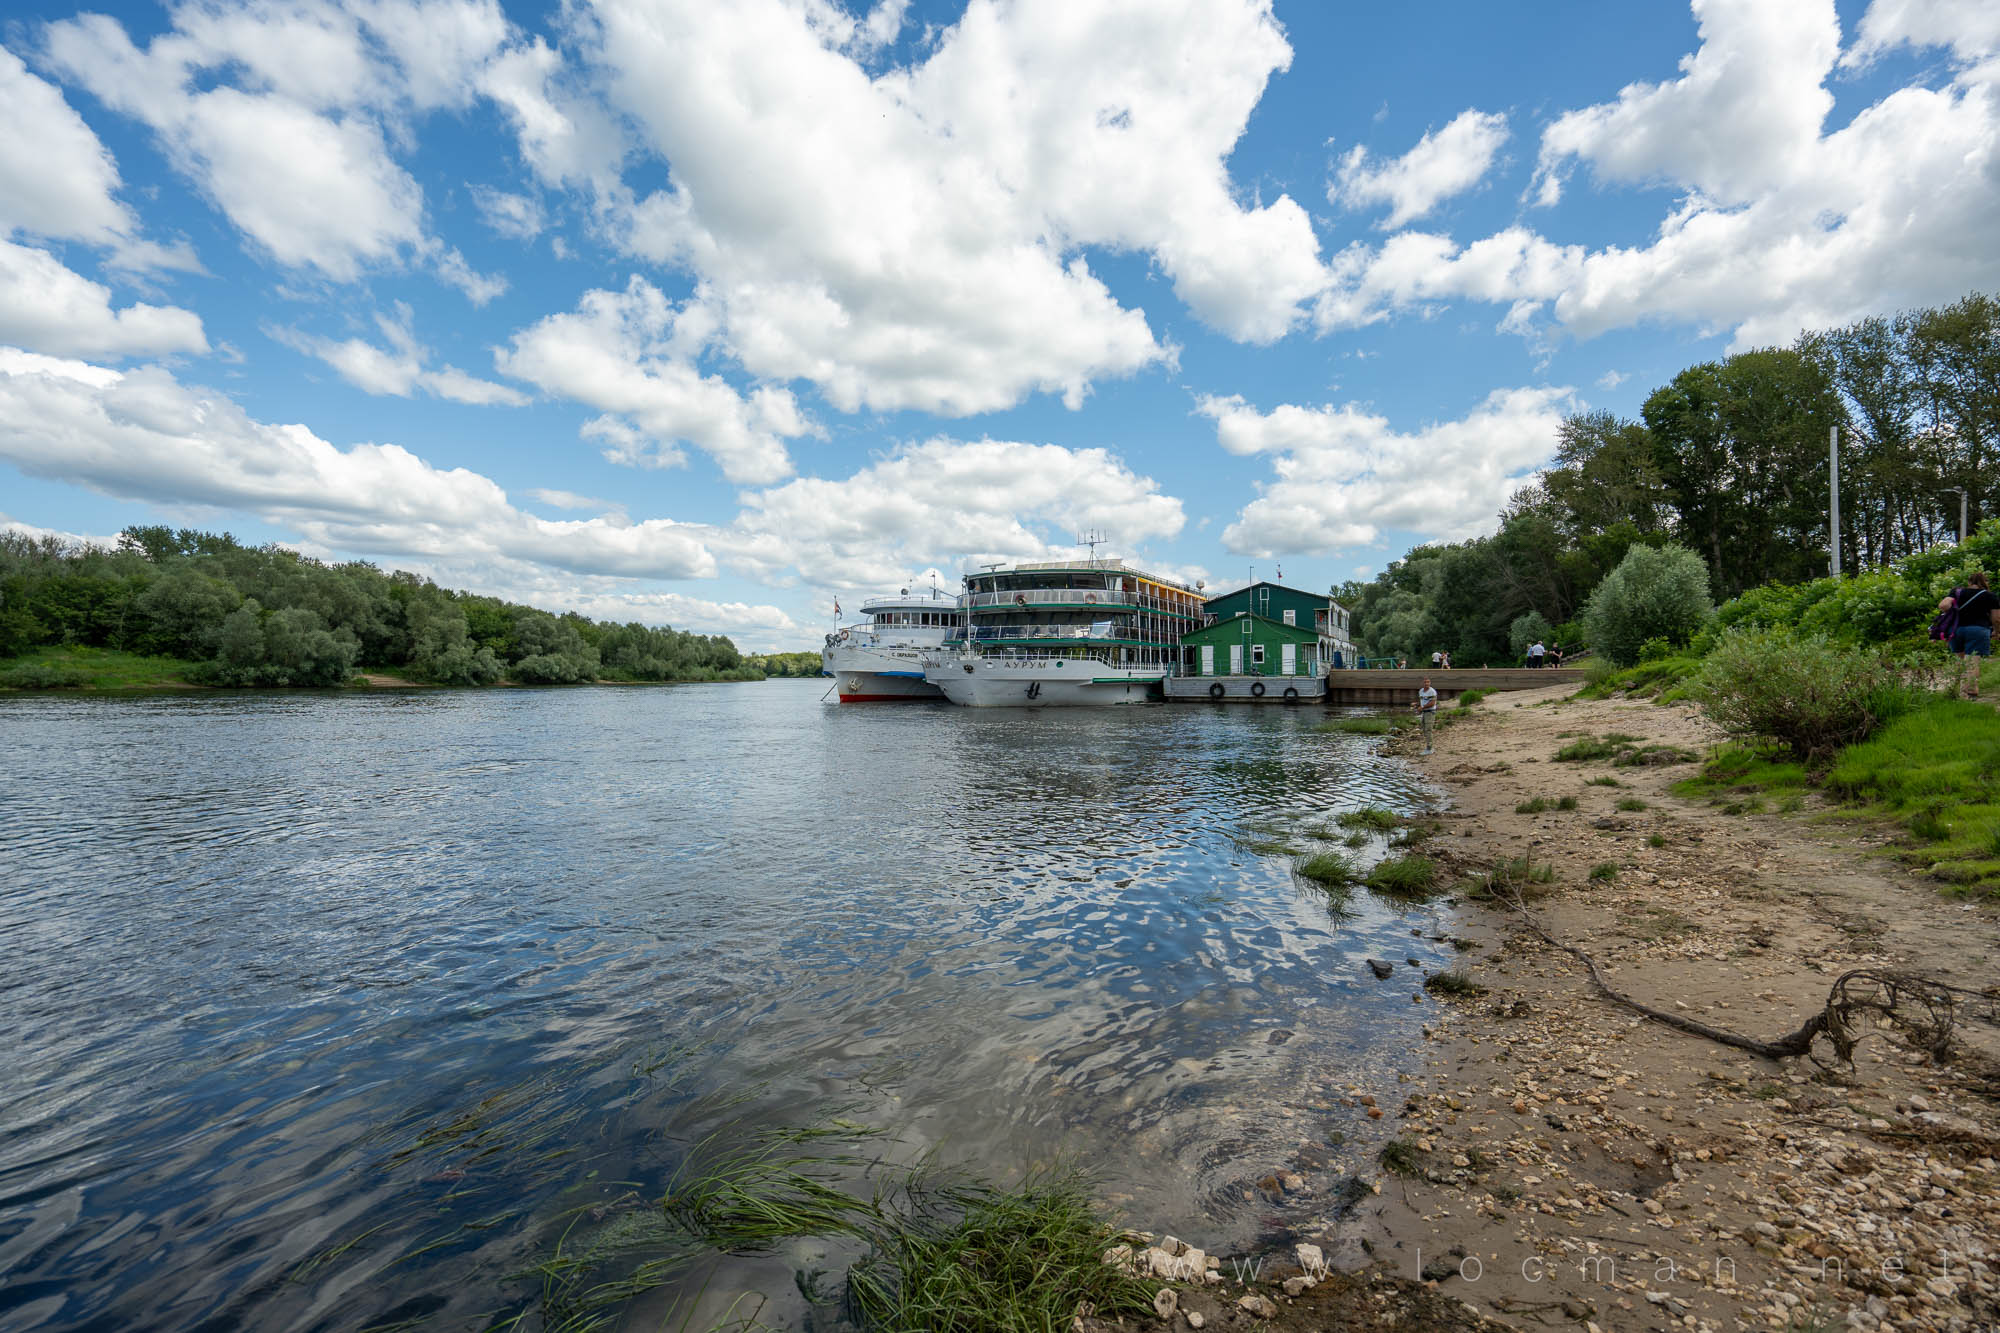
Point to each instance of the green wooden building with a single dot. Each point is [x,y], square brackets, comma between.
[1251,645]
[1316,611]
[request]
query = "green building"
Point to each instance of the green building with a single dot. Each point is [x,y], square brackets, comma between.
[1251,645]
[1316,611]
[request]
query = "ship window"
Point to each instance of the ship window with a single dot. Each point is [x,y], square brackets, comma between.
[1257,653]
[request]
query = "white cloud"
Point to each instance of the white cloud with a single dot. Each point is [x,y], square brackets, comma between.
[1443,164]
[14,525]
[1344,475]
[1779,226]
[400,369]
[58,181]
[479,288]
[631,353]
[916,240]
[568,499]
[944,503]
[282,114]
[143,435]
[1971,28]
[46,307]
[1611,379]
[1741,121]
[516,216]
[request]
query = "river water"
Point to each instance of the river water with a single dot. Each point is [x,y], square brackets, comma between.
[334,1011]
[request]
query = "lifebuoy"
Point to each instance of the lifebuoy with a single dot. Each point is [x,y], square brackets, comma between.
[1216,691]
[1257,688]
[1090,597]
[1291,694]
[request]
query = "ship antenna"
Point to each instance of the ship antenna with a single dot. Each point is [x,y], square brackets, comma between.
[1093,539]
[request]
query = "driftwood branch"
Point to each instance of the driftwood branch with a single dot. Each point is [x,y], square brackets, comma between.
[1924,1009]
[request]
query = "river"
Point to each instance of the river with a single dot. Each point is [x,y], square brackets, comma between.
[333,1011]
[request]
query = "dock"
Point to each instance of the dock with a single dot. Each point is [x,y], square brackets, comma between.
[1400,687]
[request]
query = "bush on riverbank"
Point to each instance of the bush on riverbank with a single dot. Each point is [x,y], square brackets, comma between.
[1809,694]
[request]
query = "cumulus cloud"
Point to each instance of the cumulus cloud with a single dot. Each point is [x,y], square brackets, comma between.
[1442,165]
[282,114]
[1778,226]
[47,307]
[143,435]
[916,240]
[1344,475]
[944,503]
[400,369]
[632,354]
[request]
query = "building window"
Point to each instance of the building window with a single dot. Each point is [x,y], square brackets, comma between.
[1257,654]
[1291,617]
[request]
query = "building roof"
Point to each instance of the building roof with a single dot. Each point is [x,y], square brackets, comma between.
[1281,587]
[1230,629]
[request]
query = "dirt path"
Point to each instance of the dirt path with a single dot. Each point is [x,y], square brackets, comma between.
[1572,1165]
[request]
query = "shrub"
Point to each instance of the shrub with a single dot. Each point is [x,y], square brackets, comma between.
[1809,694]
[41,676]
[1653,593]
[1525,630]
[1655,649]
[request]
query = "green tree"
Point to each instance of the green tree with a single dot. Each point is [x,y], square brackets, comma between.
[1655,593]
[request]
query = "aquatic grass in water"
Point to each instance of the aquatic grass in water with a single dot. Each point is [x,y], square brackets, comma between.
[1404,877]
[969,1258]
[1373,817]
[1326,868]
[1359,726]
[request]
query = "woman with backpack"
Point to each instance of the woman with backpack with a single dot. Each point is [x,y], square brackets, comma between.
[1976,609]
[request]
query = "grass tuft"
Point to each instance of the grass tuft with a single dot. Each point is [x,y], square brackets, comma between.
[1404,877]
[1630,803]
[1453,982]
[1399,1157]
[1378,818]
[1604,871]
[1328,869]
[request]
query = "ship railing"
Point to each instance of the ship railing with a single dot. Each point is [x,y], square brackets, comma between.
[989,633]
[934,599]
[1108,597]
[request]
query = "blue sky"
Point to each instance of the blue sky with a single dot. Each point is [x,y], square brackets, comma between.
[710,314]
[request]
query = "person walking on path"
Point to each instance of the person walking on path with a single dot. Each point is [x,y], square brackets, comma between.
[1427,707]
[1977,609]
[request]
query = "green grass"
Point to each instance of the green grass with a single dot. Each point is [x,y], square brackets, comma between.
[1399,1157]
[1453,982]
[1664,681]
[1326,868]
[964,1259]
[1377,818]
[1604,871]
[1566,803]
[1655,840]
[1471,697]
[1404,877]
[1374,725]
[1738,770]
[1936,773]
[1589,747]
[1534,806]
[92,669]
[1606,781]
[1630,803]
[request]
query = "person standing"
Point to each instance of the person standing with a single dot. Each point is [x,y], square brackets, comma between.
[1976,607]
[1536,652]
[1435,657]
[1427,707]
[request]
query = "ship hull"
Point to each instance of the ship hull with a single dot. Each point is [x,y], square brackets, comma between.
[1046,684]
[877,675]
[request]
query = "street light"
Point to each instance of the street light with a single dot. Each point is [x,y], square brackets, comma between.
[1961,510]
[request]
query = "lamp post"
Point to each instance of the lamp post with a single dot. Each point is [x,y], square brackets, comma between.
[1961,510]
[1833,466]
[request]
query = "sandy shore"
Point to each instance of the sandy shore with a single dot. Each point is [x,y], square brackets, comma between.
[1575,1165]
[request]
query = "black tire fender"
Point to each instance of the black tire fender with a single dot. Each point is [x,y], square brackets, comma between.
[1216,691]
[1257,688]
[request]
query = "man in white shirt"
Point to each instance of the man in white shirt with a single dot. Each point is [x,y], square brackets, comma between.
[1427,707]
[1536,653]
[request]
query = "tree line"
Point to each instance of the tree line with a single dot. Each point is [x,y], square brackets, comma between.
[1729,460]
[252,616]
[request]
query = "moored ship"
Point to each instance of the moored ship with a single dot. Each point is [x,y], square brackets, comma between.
[1063,633]
[881,660]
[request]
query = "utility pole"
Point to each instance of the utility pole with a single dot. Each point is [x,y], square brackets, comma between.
[1833,463]
[1961,510]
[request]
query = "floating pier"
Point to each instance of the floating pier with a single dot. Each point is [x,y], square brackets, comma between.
[1400,687]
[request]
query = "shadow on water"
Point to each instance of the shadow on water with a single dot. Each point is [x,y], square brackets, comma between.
[340,1011]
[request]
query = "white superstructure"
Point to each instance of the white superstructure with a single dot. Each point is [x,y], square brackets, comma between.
[881,659]
[1064,633]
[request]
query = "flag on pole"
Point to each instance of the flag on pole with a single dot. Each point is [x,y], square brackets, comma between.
[836,608]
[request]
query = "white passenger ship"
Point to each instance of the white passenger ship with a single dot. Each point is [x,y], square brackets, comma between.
[1064,633]
[881,660]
